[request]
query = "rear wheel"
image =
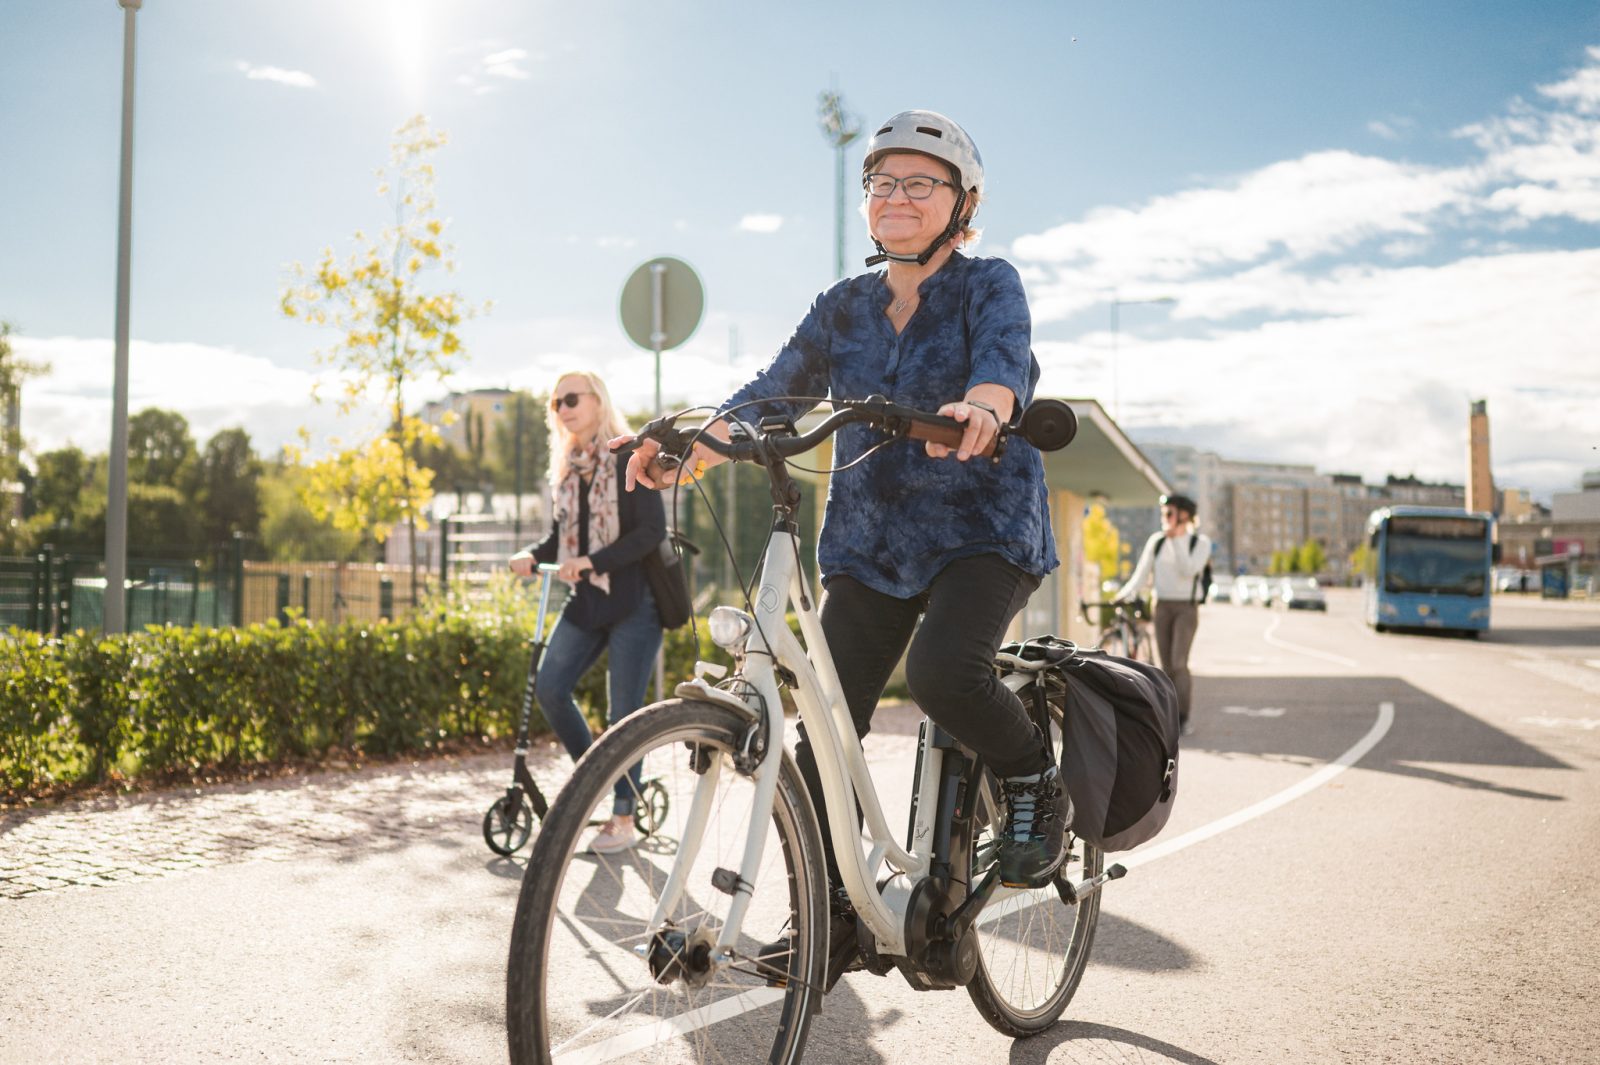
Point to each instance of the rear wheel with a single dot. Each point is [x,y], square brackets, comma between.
[1033,945]
[589,978]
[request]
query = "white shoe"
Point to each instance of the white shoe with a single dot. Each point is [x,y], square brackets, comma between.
[615,836]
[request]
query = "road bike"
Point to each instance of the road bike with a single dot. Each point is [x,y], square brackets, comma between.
[1123,628]
[656,954]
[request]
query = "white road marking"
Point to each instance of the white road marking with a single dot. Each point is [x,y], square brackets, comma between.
[1277,619]
[647,1035]
[631,1042]
[1264,711]
[1379,729]
[1595,662]
[1587,723]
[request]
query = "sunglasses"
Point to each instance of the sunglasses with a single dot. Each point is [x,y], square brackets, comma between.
[568,400]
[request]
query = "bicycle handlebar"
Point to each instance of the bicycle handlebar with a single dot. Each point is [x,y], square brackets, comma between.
[1047,424]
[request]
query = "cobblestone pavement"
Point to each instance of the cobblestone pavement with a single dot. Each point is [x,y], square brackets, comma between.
[99,842]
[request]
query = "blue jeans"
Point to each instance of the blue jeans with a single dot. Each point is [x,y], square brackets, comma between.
[633,643]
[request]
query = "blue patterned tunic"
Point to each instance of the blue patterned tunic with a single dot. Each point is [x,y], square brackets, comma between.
[899,517]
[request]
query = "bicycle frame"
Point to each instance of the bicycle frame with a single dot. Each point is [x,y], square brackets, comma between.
[841,762]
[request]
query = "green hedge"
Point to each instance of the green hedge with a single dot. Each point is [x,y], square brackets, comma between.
[87,708]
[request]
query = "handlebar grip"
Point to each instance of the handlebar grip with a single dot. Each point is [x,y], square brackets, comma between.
[946,431]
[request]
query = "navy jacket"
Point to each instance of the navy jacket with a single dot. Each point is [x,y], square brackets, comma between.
[643,521]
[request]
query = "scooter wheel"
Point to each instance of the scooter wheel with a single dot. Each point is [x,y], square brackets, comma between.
[507,826]
[651,811]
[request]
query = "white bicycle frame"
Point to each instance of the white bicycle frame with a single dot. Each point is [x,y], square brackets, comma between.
[841,764]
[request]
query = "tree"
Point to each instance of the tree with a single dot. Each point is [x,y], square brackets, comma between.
[13,371]
[1100,542]
[160,449]
[1282,562]
[289,529]
[395,331]
[228,486]
[1310,558]
[535,444]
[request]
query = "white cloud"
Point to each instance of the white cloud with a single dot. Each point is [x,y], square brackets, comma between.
[761,223]
[298,79]
[1296,335]
[496,65]
[506,64]
[214,388]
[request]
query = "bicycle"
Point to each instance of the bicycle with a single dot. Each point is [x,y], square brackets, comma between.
[656,954]
[1122,627]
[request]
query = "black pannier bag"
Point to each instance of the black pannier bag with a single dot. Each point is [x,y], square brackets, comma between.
[1119,751]
[664,568]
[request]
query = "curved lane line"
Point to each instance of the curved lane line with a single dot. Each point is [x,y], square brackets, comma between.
[630,1042]
[1379,729]
[1268,636]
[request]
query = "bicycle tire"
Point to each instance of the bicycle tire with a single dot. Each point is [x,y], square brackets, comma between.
[574,980]
[506,827]
[1143,648]
[1033,946]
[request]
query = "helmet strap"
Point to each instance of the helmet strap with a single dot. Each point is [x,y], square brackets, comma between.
[950,230]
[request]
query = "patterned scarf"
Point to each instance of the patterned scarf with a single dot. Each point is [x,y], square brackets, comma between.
[600,466]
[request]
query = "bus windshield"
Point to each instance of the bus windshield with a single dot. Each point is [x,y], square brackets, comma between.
[1438,555]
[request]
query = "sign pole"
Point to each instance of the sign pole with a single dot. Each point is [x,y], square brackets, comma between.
[658,317]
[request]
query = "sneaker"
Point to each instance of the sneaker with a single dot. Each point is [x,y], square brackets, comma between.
[844,952]
[615,836]
[1038,812]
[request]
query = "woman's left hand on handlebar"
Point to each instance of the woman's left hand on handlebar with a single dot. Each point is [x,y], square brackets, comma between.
[982,426]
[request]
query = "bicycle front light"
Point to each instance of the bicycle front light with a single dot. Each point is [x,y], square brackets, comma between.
[729,627]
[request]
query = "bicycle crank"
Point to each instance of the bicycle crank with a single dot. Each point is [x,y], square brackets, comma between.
[1077,892]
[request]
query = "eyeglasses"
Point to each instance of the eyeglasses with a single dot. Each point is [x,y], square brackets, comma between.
[568,400]
[882,186]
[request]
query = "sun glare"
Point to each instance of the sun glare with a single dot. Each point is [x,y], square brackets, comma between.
[408,28]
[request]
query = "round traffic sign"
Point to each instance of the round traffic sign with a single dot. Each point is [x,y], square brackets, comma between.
[661,303]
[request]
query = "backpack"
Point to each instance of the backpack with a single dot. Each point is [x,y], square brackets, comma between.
[1119,747]
[1203,592]
[669,579]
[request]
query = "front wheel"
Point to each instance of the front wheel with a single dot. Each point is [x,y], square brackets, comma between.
[508,824]
[590,978]
[1033,945]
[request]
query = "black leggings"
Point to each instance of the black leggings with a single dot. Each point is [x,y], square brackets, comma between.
[950,667]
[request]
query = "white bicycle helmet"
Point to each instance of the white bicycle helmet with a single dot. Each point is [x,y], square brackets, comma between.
[929,133]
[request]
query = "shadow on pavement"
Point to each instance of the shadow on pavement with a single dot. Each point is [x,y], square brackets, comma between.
[1099,1042]
[1544,637]
[1315,719]
[1124,944]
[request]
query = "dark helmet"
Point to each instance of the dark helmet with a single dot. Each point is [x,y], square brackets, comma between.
[1181,502]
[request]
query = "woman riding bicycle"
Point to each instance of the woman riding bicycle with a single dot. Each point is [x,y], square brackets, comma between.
[908,532]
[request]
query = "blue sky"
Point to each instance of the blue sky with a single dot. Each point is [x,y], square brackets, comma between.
[1365,214]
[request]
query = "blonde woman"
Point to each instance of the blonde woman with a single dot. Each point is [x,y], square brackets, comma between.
[599,537]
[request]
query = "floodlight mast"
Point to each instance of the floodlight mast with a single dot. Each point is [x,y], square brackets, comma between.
[840,127]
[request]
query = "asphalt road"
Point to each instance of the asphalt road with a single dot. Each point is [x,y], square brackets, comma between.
[1435,901]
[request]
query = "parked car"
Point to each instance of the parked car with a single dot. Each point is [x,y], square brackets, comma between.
[1302,593]
[1221,590]
[1248,589]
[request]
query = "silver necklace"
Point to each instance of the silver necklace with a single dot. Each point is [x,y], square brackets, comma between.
[901,305]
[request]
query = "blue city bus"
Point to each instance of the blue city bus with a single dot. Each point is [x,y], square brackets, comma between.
[1429,568]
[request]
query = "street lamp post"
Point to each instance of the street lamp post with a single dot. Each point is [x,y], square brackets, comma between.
[1116,303]
[114,611]
[840,127]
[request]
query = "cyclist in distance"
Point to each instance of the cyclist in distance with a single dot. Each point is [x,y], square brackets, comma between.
[599,537]
[920,530]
